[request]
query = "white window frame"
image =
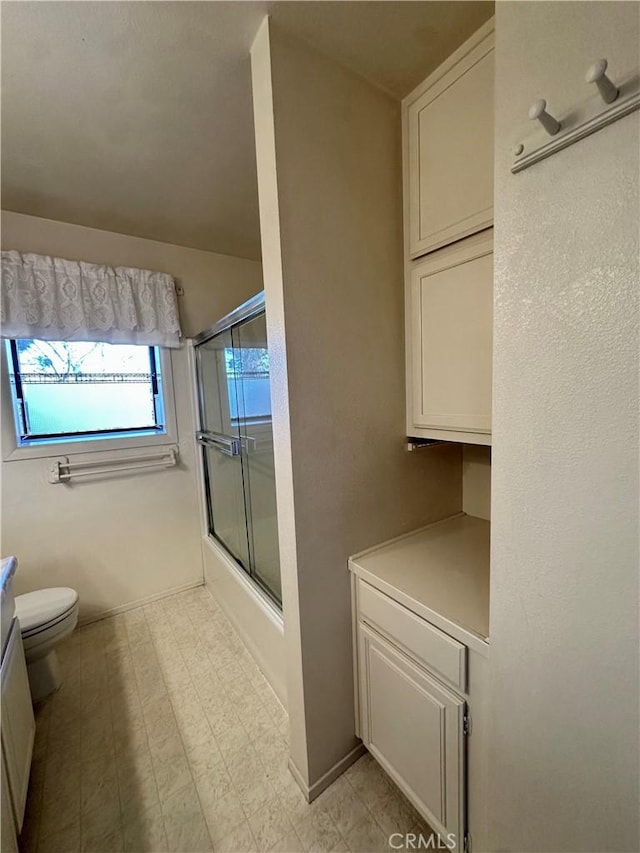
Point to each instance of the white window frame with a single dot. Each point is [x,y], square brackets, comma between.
[12,450]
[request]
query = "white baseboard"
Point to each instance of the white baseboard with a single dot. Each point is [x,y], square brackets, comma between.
[131,605]
[330,776]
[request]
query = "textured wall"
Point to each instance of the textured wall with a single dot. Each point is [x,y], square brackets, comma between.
[330,209]
[564,583]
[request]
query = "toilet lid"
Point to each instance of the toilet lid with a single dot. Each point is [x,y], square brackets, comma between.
[35,609]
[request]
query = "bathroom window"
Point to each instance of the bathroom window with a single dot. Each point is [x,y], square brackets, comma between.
[71,391]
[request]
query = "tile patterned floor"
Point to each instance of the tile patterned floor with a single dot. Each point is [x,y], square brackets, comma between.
[166,737]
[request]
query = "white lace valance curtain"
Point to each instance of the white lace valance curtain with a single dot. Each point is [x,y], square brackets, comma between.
[56,300]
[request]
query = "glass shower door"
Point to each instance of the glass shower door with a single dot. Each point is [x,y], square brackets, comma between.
[237,442]
[256,435]
[221,447]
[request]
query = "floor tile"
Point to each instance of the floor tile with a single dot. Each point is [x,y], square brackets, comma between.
[369,780]
[111,843]
[165,736]
[100,823]
[233,739]
[66,840]
[367,837]
[213,783]
[255,796]
[317,832]
[270,824]
[145,833]
[393,813]
[293,799]
[59,810]
[99,785]
[223,815]
[344,806]
[196,734]
[171,776]
[289,844]
[184,822]
[137,784]
[241,840]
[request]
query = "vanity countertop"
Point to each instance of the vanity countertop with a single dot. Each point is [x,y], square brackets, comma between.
[7,602]
[440,572]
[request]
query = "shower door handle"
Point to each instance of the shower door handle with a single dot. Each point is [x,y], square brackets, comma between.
[221,443]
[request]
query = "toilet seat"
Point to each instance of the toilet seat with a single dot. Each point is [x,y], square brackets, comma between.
[41,610]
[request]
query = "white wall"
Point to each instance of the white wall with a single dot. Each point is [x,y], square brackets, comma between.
[129,537]
[329,178]
[564,577]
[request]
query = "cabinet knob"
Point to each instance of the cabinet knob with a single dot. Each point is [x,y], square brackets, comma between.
[596,74]
[539,111]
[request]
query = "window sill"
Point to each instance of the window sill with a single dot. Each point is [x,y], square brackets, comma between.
[91,445]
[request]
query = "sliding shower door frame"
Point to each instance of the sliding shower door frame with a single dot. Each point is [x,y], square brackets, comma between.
[246,312]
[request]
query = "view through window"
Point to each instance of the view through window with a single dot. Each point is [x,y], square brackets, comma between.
[250,366]
[67,389]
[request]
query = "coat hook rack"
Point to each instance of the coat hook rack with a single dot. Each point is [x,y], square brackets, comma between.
[611,102]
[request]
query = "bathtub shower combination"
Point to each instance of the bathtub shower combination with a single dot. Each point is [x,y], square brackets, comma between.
[236,436]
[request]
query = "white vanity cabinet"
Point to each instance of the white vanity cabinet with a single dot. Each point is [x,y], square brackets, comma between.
[450,342]
[18,724]
[9,840]
[401,707]
[448,131]
[420,617]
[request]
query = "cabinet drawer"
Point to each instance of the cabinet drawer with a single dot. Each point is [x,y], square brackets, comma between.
[433,648]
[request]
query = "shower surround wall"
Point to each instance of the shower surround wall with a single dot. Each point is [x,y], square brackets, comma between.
[329,178]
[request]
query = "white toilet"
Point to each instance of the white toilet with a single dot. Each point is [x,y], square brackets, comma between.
[46,616]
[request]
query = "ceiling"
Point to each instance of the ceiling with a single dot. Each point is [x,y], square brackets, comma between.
[136,117]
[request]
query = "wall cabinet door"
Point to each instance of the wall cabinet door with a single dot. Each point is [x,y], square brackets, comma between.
[449,145]
[413,726]
[451,334]
[18,724]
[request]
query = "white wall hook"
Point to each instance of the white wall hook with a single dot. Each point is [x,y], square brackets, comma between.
[539,111]
[596,74]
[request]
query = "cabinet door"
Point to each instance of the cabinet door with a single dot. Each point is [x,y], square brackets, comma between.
[450,151]
[18,724]
[8,823]
[413,726]
[452,341]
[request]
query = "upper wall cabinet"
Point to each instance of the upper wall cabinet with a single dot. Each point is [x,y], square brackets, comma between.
[449,333]
[448,133]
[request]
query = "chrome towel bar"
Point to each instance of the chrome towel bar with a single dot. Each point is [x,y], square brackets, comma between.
[61,470]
